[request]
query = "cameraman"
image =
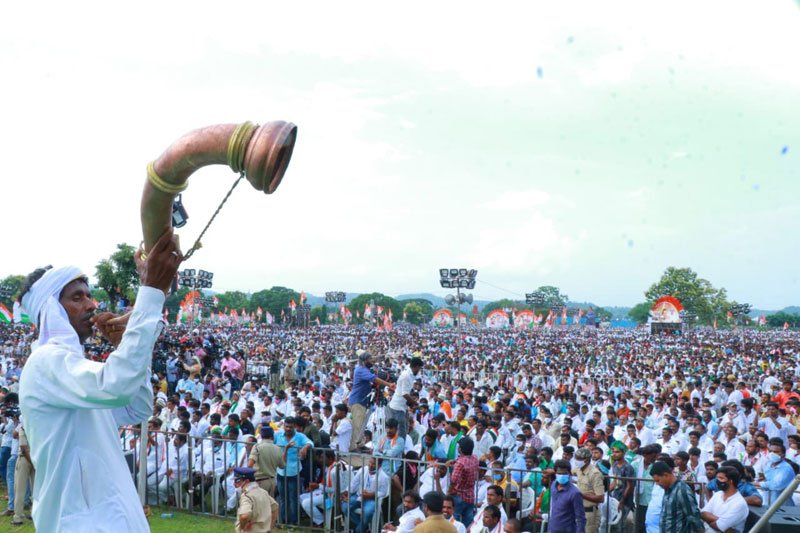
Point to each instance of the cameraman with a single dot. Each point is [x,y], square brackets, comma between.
[363,380]
[401,400]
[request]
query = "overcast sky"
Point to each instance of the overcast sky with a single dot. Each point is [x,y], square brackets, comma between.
[584,145]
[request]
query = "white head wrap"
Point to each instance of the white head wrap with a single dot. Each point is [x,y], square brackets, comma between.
[46,312]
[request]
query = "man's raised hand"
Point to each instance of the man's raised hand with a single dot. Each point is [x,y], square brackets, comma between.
[158,269]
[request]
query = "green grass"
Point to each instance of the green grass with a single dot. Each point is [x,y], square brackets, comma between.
[180,523]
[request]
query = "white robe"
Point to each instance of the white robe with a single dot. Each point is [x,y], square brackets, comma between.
[73,408]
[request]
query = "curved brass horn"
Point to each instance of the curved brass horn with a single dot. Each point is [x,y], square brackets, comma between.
[261,152]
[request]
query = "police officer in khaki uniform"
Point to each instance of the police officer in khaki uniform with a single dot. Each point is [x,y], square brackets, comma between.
[23,474]
[257,511]
[266,457]
[590,483]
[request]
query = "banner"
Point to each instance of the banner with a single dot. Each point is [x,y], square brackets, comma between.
[497,319]
[524,319]
[442,318]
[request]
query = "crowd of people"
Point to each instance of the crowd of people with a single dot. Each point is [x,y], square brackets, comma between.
[583,429]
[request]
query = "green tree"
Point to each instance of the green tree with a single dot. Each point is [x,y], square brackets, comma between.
[695,293]
[425,306]
[552,295]
[386,302]
[502,304]
[118,275]
[233,300]
[275,299]
[603,315]
[15,282]
[777,320]
[321,312]
[174,302]
[640,312]
[414,313]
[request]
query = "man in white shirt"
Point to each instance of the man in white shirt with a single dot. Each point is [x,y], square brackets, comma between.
[726,510]
[368,487]
[73,406]
[644,433]
[412,513]
[341,429]
[448,509]
[401,399]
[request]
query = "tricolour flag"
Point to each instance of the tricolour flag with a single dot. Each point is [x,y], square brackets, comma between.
[762,320]
[5,314]
[293,307]
[302,297]
[785,325]
[270,318]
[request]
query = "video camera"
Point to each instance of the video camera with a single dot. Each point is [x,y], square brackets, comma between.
[11,411]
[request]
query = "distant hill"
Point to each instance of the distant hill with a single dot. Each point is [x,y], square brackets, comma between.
[437,301]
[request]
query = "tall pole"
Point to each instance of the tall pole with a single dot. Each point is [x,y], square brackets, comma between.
[458,322]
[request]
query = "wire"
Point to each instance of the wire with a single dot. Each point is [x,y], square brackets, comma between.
[499,288]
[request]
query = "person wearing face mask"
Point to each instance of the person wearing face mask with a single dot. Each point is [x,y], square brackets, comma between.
[589,481]
[726,510]
[778,474]
[567,514]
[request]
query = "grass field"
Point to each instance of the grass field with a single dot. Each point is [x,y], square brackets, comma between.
[180,523]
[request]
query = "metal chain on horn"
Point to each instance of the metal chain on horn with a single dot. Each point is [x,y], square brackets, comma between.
[197,245]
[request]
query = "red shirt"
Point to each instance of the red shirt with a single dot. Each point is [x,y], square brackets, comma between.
[464,478]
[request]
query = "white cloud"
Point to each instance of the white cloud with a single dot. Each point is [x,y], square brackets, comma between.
[533,244]
[514,200]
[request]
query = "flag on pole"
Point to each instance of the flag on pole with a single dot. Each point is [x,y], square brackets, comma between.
[5,314]
[293,307]
[762,320]
[270,318]
[380,310]
[715,322]
[302,297]
[367,311]
[18,312]
[785,326]
[317,320]
[259,312]
[730,316]
[564,316]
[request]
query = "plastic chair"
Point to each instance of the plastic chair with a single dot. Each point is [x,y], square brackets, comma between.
[609,508]
[527,503]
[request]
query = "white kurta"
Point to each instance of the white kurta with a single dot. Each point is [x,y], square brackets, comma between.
[73,408]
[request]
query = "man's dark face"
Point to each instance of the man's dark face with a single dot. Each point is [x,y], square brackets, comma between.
[447,509]
[288,429]
[76,299]
[493,498]
[409,503]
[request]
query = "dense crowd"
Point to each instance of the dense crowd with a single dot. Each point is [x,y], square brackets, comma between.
[513,426]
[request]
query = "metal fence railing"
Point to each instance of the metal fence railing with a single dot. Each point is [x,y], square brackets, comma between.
[334,491]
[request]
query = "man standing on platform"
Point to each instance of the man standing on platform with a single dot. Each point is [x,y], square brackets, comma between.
[363,379]
[401,400]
